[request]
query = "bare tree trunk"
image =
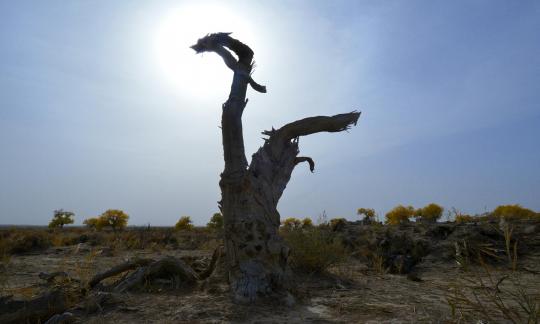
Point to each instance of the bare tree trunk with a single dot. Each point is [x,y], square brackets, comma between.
[257,257]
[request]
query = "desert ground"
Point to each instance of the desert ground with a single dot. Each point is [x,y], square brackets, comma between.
[362,273]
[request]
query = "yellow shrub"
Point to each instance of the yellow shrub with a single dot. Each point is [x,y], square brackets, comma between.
[184,224]
[512,212]
[115,218]
[291,224]
[91,222]
[337,224]
[369,213]
[307,222]
[430,213]
[399,214]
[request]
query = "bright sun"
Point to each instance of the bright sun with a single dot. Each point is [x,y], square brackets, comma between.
[191,74]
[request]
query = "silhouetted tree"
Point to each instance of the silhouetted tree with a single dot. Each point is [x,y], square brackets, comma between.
[257,257]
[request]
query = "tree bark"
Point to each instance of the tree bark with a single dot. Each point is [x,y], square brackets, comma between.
[257,257]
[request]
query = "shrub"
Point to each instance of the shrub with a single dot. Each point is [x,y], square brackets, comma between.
[91,222]
[29,241]
[337,224]
[314,249]
[462,218]
[291,224]
[369,213]
[429,213]
[216,222]
[307,222]
[184,224]
[114,218]
[514,212]
[61,218]
[399,214]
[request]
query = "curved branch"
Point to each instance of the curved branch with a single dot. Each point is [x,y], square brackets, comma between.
[307,159]
[218,43]
[318,124]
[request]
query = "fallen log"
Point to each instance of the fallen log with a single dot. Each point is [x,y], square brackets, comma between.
[126,266]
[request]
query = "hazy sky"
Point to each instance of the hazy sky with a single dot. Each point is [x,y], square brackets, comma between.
[98,112]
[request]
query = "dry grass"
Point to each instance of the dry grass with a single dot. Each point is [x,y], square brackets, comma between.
[315,249]
[489,297]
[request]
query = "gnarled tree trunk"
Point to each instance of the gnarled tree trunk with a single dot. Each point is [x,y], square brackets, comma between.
[257,257]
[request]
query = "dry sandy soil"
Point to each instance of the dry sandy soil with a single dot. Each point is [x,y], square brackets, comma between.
[352,292]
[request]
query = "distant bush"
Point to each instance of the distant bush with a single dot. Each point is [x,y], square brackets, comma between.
[337,224]
[61,218]
[514,212]
[369,214]
[461,218]
[429,213]
[399,214]
[291,224]
[113,218]
[216,222]
[28,241]
[184,224]
[314,249]
[91,222]
[307,222]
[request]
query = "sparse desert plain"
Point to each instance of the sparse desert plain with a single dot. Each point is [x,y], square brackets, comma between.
[342,272]
[168,107]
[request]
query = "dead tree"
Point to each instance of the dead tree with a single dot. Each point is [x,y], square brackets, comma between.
[257,257]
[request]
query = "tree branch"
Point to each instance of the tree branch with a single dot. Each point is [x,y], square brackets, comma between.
[218,43]
[317,124]
[307,159]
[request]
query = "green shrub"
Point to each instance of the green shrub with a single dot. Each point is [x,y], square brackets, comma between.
[314,250]
[61,218]
[216,222]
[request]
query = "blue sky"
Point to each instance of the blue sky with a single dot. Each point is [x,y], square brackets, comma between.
[449,93]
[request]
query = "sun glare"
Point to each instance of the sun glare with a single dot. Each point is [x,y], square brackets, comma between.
[190,74]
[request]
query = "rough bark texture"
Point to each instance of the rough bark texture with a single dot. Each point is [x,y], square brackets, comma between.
[257,257]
